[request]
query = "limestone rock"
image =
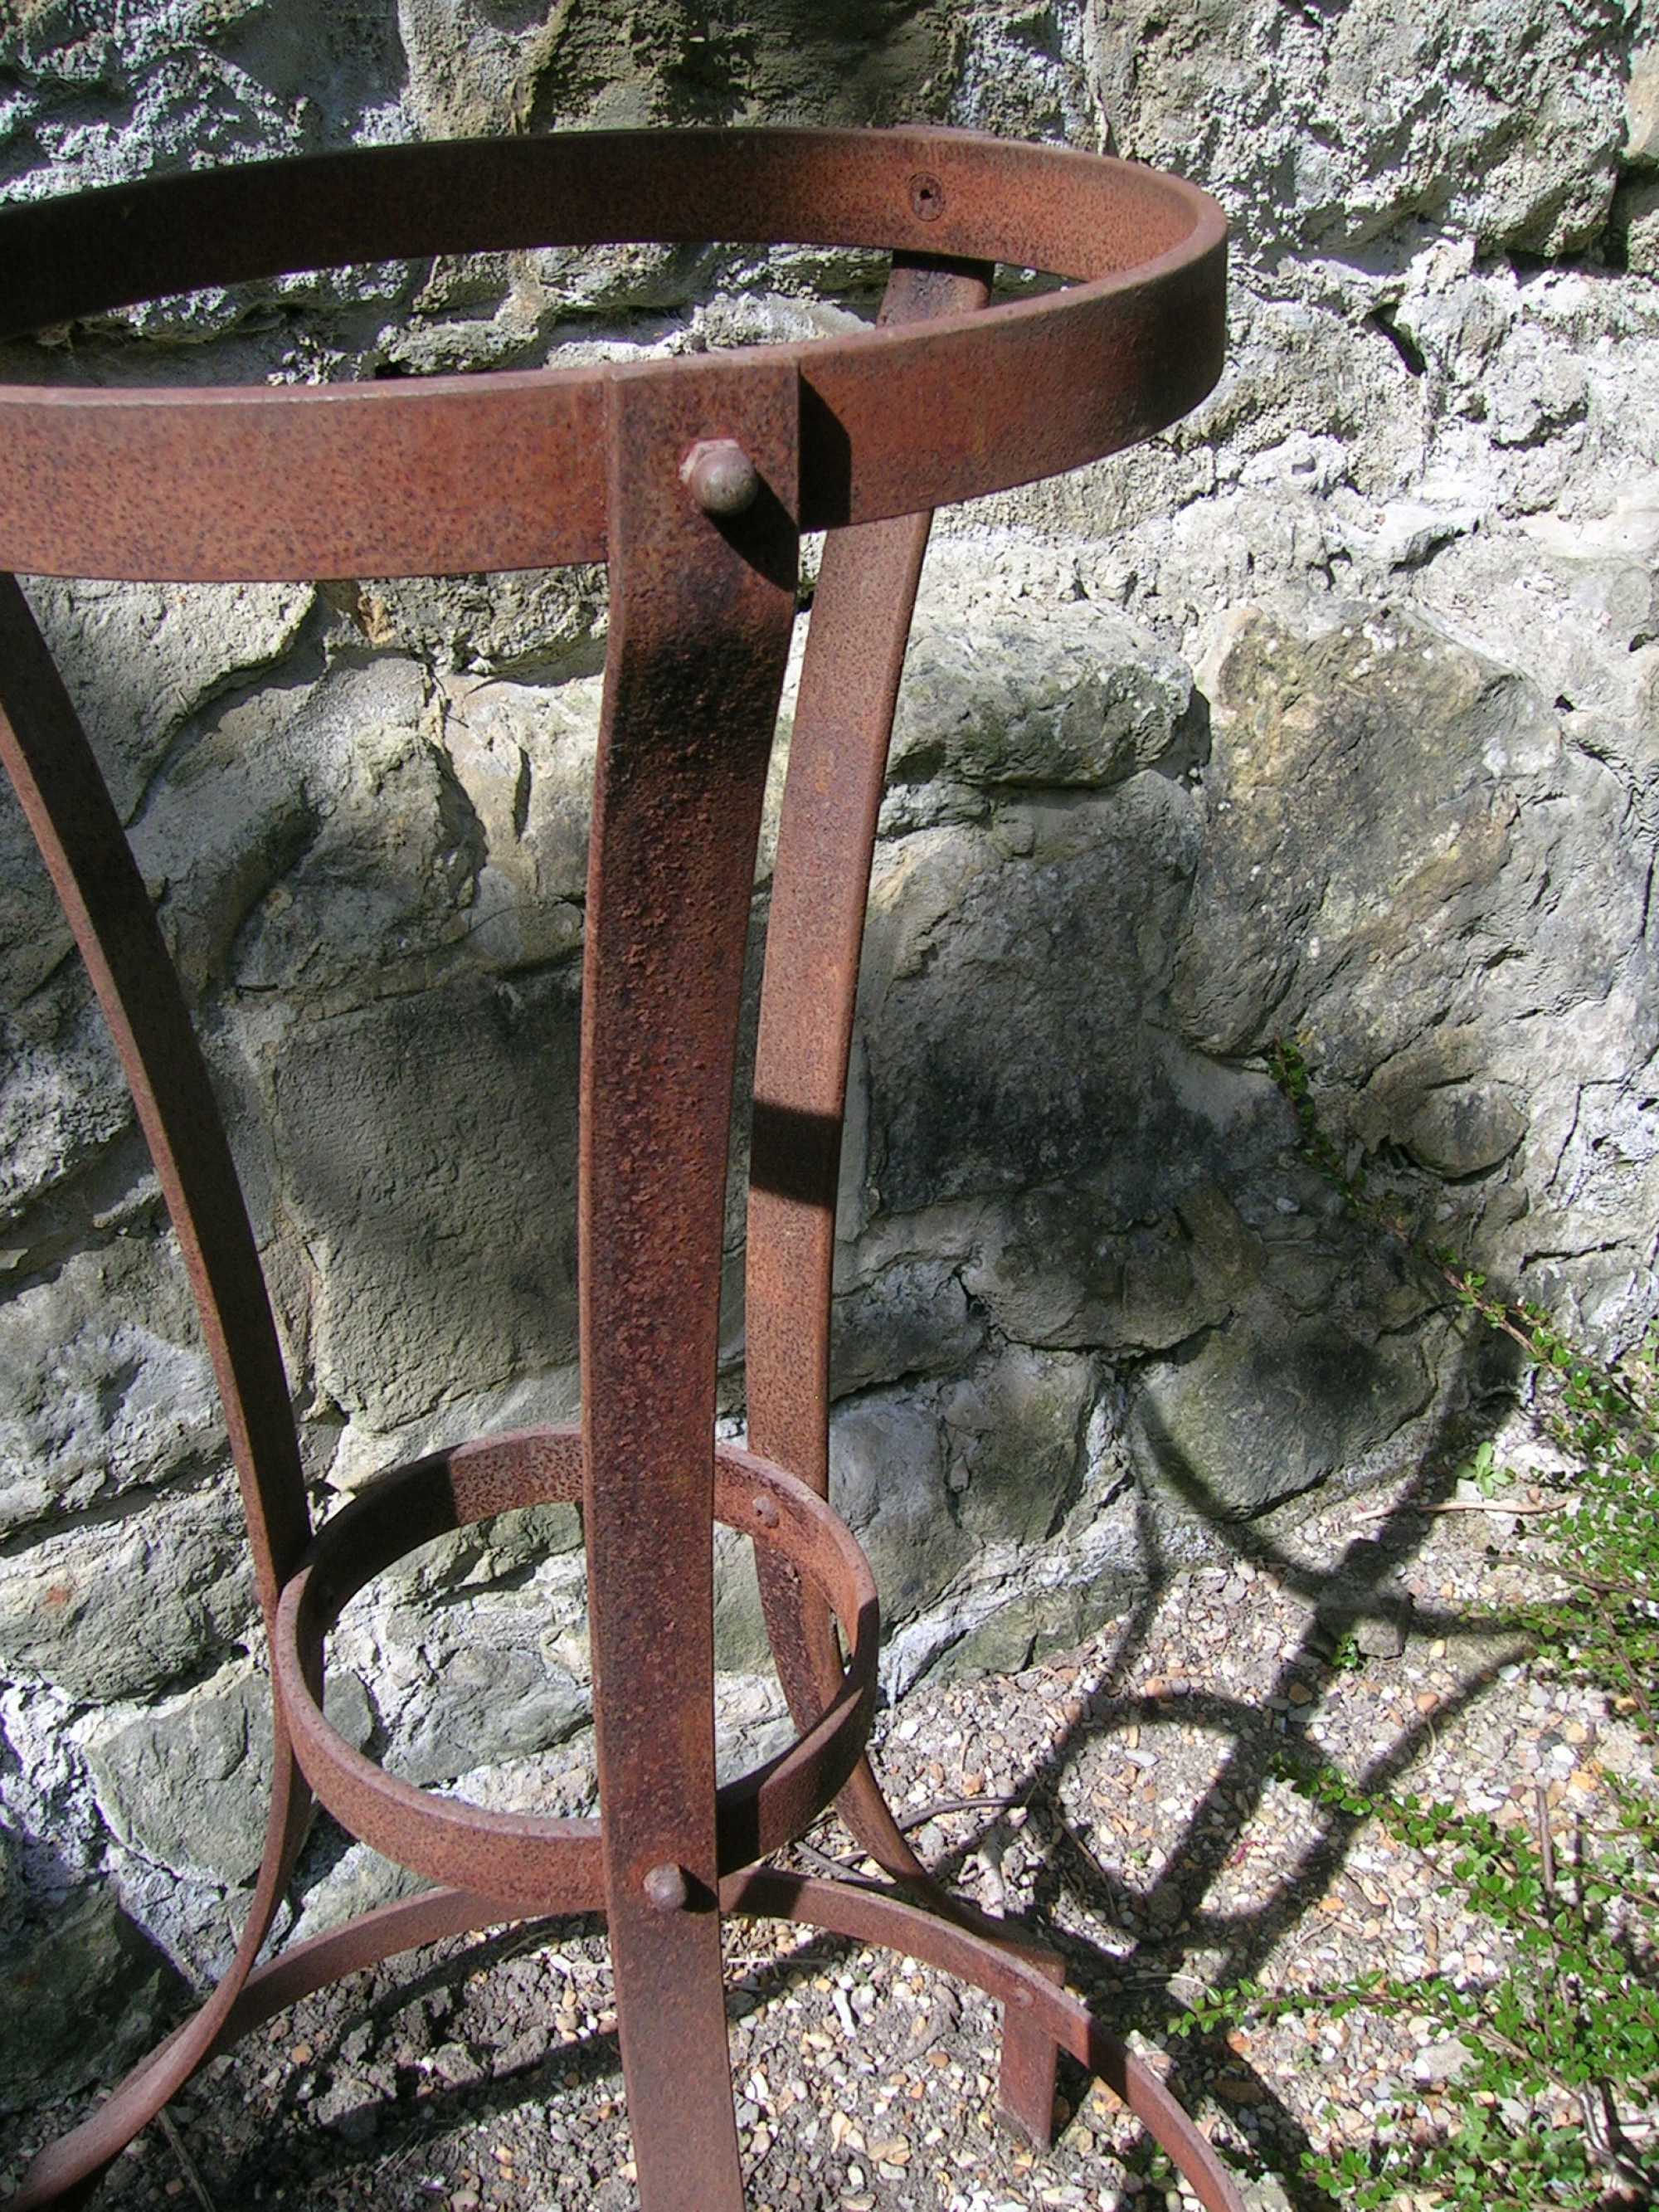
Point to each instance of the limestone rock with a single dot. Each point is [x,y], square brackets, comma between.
[313,843]
[140,661]
[1266,1407]
[1327,132]
[1641,106]
[487,1701]
[443,1242]
[974,940]
[1057,1267]
[1576,607]
[911,1318]
[190,1786]
[64,1109]
[475,625]
[550,1401]
[1367,820]
[1014,1440]
[80,2000]
[1091,1304]
[525,756]
[1635,224]
[104,1386]
[887,1481]
[472,70]
[117,1608]
[356,1880]
[1073,698]
[741,1645]
[1465,1129]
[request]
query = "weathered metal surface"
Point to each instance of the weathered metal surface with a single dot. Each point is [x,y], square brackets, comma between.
[694,477]
[532,1865]
[102,894]
[447,474]
[862,611]
[702,608]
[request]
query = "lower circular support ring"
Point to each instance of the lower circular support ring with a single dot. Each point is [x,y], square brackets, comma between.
[535,1865]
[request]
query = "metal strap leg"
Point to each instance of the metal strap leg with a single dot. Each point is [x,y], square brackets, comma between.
[701,612]
[855,647]
[69,808]
[855,651]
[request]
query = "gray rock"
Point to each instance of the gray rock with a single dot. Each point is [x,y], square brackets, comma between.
[1422,756]
[1055,1267]
[314,842]
[1382,1635]
[1421,844]
[190,1786]
[525,758]
[487,1701]
[547,1401]
[1266,1408]
[1641,106]
[1574,607]
[1634,224]
[1505,121]
[80,2000]
[480,624]
[1266,2194]
[740,1640]
[357,1881]
[1071,699]
[63,1106]
[1465,1130]
[121,1607]
[975,941]
[887,1481]
[472,70]
[1438,2063]
[911,1318]
[103,1386]
[427,1148]
[1014,1442]
[140,661]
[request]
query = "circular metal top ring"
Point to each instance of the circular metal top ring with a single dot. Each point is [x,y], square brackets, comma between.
[448,474]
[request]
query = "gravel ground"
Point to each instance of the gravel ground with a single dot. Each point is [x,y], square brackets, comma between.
[1123,1798]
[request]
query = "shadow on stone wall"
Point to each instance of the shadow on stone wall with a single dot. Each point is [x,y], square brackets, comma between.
[1096,1318]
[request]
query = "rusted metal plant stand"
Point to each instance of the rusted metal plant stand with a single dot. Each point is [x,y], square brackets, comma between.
[692,478]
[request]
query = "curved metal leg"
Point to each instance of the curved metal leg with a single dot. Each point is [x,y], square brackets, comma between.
[855,647]
[870,1916]
[838,760]
[863,1915]
[80,2156]
[103,896]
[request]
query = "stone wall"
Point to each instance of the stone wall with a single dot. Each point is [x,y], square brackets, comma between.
[1331,713]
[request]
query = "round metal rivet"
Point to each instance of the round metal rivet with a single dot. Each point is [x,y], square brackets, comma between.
[926,197]
[721,477]
[666,1886]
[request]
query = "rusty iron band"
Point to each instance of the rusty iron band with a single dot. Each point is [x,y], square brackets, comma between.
[527,1864]
[447,474]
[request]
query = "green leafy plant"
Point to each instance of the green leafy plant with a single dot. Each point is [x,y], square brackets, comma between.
[1486,1472]
[1574,2013]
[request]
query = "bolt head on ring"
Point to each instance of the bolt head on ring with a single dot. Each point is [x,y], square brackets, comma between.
[721,477]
